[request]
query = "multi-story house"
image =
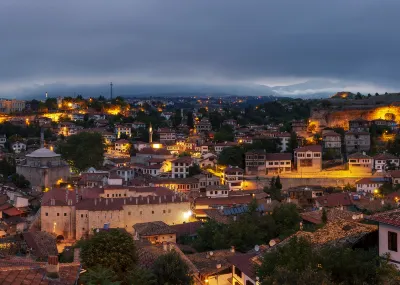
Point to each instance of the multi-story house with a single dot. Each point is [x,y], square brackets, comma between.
[77,117]
[73,214]
[359,125]
[138,125]
[360,163]
[68,129]
[123,129]
[217,191]
[299,127]
[394,175]
[357,141]
[255,162]
[220,146]
[385,123]
[167,135]
[370,184]
[385,161]
[308,158]
[231,122]
[180,167]
[203,125]
[276,163]
[206,179]
[233,178]
[10,106]
[18,147]
[388,235]
[3,140]
[122,146]
[331,141]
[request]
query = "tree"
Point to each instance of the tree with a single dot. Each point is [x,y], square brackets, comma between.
[233,156]
[287,219]
[20,181]
[99,275]
[6,168]
[177,118]
[293,143]
[278,183]
[194,170]
[83,150]
[171,269]
[376,94]
[298,262]
[224,134]
[113,249]
[324,216]
[190,122]
[142,276]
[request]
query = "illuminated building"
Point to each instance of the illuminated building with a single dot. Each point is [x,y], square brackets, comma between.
[180,167]
[276,163]
[360,163]
[357,141]
[233,178]
[370,184]
[382,161]
[43,168]
[10,106]
[255,162]
[167,135]
[308,158]
[123,129]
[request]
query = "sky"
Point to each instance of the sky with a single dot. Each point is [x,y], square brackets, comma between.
[353,44]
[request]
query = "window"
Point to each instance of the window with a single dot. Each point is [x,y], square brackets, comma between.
[47,214]
[164,211]
[58,214]
[129,213]
[65,214]
[83,229]
[140,212]
[152,212]
[392,241]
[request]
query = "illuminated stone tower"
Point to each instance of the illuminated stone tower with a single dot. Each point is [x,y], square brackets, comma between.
[150,134]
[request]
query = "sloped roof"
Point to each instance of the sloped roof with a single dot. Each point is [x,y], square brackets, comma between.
[153,228]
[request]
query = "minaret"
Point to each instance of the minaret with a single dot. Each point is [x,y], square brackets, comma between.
[150,134]
[111,85]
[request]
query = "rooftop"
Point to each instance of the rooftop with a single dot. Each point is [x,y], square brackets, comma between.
[278,156]
[390,218]
[335,200]
[42,153]
[153,228]
[313,148]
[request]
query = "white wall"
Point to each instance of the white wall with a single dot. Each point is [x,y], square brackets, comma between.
[383,242]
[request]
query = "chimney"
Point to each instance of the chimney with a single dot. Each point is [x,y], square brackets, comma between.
[52,267]
[232,249]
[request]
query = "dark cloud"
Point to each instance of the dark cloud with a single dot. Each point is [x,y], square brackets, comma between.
[93,41]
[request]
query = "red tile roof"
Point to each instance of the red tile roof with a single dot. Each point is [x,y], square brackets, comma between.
[390,218]
[385,156]
[335,199]
[278,156]
[313,148]
[358,155]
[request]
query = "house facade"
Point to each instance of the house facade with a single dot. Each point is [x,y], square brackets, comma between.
[276,163]
[308,158]
[233,178]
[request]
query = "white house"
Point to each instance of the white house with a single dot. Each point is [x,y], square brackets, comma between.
[17,146]
[285,139]
[220,146]
[180,167]
[217,191]
[123,129]
[278,163]
[381,161]
[233,178]
[389,234]
[369,184]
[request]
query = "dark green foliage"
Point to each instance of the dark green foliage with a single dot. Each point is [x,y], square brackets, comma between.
[274,188]
[393,146]
[113,249]
[233,156]
[20,181]
[293,143]
[324,216]
[7,168]
[142,276]
[190,122]
[171,269]
[177,118]
[99,275]
[195,169]
[248,230]
[83,150]
[278,183]
[224,134]
[299,263]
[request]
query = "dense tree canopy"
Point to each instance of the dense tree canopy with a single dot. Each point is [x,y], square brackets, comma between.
[171,269]
[298,263]
[233,156]
[83,150]
[113,249]
[248,230]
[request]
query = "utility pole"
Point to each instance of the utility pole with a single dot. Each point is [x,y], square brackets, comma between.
[111,85]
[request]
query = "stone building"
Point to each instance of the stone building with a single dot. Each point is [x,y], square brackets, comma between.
[73,214]
[357,141]
[43,168]
[308,158]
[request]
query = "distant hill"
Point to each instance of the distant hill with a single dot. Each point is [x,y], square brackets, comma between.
[344,95]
